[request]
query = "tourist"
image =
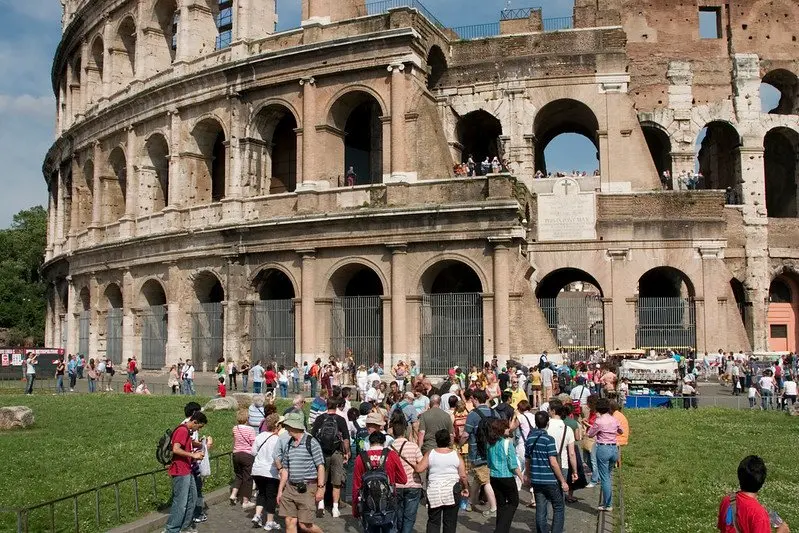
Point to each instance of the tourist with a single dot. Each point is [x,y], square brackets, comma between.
[334,436]
[405,405]
[244,370]
[689,393]
[318,406]
[91,375]
[188,378]
[243,439]
[547,384]
[665,180]
[81,360]
[766,384]
[485,166]
[564,439]
[30,371]
[754,394]
[478,452]
[295,378]
[351,177]
[504,470]
[255,412]
[373,394]
[173,381]
[495,165]
[362,382]
[400,373]
[132,372]
[283,377]
[221,389]
[535,387]
[142,388]
[376,422]
[60,368]
[302,476]
[313,376]
[605,429]
[545,476]
[517,393]
[72,372]
[257,373]
[380,457]
[109,371]
[431,422]
[265,474]
[446,484]
[232,372]
[127,388]
[420,402]
[623,438]
[409,494]
[184,490]
[101,372]
[579,396]
[742,512]
[270,379]
[789,391]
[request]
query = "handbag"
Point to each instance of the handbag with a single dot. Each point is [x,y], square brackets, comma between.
[581,482]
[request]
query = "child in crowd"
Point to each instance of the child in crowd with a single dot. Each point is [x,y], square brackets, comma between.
[221,390]
[754,394]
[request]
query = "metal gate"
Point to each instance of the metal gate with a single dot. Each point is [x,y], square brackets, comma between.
[663,323]
[272,331]
[113,335]
[576,320]
[452,331]
[207,337]
[153,337]
[357,324]
[84,320]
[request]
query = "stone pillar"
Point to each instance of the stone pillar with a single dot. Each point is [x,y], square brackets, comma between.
[130,346]
[184,35]
[176,347]
[126,226]
[326,11]
[622,326]
[399,329]
[604,157]
[501,299]
[72,318]
[60,218]
[97,188]
[51,212]
[308,130]
[308,305]
[398,134]
[176,173]
[254,19]
[84,79]
[108,63]
[70,119]
[607,320]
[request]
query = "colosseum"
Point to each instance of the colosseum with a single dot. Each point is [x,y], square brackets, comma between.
[219,188]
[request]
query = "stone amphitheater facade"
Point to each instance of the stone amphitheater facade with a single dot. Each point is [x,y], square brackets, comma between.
[201,204]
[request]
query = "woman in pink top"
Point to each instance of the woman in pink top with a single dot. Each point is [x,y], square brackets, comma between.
[604,429]
[243,439]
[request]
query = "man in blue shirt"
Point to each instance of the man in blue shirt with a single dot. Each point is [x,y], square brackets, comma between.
[479,465]
[72,371]
[545,476]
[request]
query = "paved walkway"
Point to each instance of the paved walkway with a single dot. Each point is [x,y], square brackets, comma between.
[581,517]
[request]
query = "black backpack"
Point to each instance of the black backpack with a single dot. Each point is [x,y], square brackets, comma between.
[163,452]
[482,432]
[361,437]
[328,435]
[377,501]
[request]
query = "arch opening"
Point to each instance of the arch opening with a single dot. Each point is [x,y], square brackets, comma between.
[273,319]
[666,311]
[479,134]
[116,190]
[208,319]
[212,171]
[570,127]
[358,115]
[125,47]
[739,293]
[781,152]
[571,300]
[95,71]
[357,314]
[436,67]
[783,313]
[451,317]
[158,186]
[83,196]
[167,16]
[718,160]
[276,127]
[659,144]
[113,323]
[154,324]
[779,93]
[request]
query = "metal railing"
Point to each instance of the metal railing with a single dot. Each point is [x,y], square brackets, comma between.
[382,6]
[558,23]
[52,515]
[520,13]
[477,31]
[702,402]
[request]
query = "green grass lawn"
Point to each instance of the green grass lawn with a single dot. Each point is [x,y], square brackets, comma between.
[81,441]
[679,464]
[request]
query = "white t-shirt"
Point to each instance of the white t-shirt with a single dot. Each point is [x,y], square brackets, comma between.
[525,420]
[555,429]
[687,390]
[581,392]
[257,374]
[189,373]
[264,451]
[372,395]
[546,378]
[790,388]
[283,377]
[371,378]
[30,369]
[752,392]
[767,383]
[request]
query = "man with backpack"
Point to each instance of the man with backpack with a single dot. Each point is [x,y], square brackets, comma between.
[476,432]
[331,431]
[741,512]
[377,472]
[180,456]
[313,375]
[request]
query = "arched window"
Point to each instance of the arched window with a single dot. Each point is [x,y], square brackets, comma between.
[154,324]
[125,47]
[358,114]
[94,71]
[566,138]
[208,320]
[275,126]
[158,186]
[781,149]
[659,144]
[779,93]
[83,196]
[666,312]
[212,151]
[357,314]
[116,190]
[478,133]
[436,67]
[718,159]
[272,325]
[167,17]
[779,292]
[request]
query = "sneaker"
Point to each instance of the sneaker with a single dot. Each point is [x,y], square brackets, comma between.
[247,506]
[601,508]
[590,485]
[257,521]
[336,513]
[320,513]
[275,526]
[232,501]
[490,514]
[200,519]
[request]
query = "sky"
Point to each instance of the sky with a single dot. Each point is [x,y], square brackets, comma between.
[30,31]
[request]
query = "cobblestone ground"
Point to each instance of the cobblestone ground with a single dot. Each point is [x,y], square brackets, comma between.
[581,517]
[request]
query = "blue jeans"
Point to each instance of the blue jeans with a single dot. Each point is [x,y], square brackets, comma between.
[765,399]
[59,383]
[188,386]
[256,387]
[606,457]
[244,380]
[545,495]
[92,385]
[199,501]
[408,500]
[132,379]
[314,382]
[29,387]
[590,457]
[284,390]
[295,385]
[184,494]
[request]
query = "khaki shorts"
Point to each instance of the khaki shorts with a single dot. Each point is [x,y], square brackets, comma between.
[334,466]
[299,506]
[481,474]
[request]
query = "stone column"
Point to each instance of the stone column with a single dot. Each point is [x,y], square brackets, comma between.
[84,78]
[399,329]
[70,119]
[130,346]
[607,321]
[622,290]
[60,230]
[398,137]
[108,63]
[176,347]
[176,176]
[51,225]
[72,318]
[501,299]
[604,156]
[308,131]
[126,226]
[308,305]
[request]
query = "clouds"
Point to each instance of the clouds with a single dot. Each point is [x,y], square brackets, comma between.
[43,10]
[42,107]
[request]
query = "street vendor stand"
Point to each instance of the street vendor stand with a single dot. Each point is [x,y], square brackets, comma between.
[652,382]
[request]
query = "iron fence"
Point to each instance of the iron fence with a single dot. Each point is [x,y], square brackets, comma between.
[663,323]
[558,23]
[520,13]
[382,6]
[113,335]
[452,331]
[272,331]
[153,337]
[207,337]
[84,322]
[576,321]
[357,325]
[477,31]
[85,510]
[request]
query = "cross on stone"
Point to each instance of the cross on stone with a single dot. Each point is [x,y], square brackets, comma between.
[566,184]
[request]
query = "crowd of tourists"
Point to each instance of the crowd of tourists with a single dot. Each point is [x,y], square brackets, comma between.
[489,165]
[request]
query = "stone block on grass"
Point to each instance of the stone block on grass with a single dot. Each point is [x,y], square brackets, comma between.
[16,417]
[222,404]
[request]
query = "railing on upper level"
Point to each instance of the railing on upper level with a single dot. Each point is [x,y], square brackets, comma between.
[521,13]
[477,31]
[558,23]
[382,6]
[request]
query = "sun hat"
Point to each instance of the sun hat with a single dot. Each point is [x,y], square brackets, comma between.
[375,419]
[295,420]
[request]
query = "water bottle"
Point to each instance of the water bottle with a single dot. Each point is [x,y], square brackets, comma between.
[464,503]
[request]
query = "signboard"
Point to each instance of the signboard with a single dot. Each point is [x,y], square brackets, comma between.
[567,214]
[6,360]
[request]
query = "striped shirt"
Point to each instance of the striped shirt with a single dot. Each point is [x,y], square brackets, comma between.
[301,465]
[539,448]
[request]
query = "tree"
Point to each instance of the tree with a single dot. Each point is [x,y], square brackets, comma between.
[22,290]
